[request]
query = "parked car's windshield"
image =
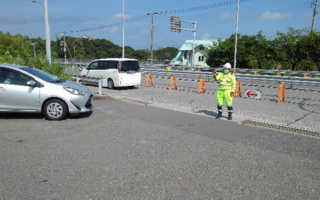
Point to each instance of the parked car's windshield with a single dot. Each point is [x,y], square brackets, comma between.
[42,75]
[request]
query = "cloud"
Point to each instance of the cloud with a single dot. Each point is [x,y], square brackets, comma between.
[206,36]
[227,16]
[274,16]
[119,16]
[131,37]
[145,32]
[111,29]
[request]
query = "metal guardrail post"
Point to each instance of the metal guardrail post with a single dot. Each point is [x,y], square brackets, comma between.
[100,87]
[77,78]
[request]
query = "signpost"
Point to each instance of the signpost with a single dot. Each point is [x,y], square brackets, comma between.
[176,26]
[253,94]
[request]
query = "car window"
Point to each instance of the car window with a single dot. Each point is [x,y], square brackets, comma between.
[93,65]
[13,77]
[108,64]
[113,64]
[3,76]
[129,66]
[103,65]
[41,74]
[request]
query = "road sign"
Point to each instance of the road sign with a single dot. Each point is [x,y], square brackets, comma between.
[253,94]
[175,24]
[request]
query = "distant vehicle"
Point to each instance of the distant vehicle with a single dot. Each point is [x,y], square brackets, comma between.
[115,72]
[25,89]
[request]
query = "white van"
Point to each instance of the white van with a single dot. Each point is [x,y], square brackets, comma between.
[116,72]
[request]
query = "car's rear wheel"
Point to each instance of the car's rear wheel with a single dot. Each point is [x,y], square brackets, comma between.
[110,83]
[55,109]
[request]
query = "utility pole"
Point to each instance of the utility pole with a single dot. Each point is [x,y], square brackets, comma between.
[152,25]
[314,14]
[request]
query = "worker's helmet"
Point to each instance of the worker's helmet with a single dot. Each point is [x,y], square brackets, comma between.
[227,66]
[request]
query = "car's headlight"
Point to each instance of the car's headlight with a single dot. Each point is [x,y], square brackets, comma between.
[74,91]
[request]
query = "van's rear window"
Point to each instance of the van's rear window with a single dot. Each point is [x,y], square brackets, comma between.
[127,66]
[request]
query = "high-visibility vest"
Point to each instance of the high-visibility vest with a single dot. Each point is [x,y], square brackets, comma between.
[227,81]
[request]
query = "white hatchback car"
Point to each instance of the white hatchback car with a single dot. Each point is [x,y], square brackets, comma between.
[25,89]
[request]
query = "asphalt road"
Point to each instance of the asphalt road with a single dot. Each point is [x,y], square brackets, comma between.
[137,149]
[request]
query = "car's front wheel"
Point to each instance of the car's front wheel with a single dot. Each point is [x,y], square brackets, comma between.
[55,109]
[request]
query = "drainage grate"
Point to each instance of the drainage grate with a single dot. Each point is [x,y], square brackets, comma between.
[283,128]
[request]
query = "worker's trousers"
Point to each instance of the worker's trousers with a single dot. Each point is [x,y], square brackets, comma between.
[224,95]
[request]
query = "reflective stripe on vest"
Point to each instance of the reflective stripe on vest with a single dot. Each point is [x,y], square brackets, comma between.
[226,82]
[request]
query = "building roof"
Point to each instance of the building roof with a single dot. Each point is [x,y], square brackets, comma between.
[188,44]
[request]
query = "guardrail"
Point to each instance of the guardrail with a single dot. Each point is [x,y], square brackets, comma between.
[263,78]
[239,70]
[89,80]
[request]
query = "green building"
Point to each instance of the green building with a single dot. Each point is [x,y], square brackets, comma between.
[184,57]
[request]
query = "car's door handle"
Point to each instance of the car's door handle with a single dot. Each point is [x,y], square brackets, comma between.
[2,89]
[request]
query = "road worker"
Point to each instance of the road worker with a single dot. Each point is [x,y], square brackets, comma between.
[226,89]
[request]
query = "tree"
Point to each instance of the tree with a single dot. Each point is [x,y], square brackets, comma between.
[165,53]
[295,50]
[141,54]
[220,52]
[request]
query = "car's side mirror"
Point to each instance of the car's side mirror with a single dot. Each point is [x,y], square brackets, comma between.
[31,83]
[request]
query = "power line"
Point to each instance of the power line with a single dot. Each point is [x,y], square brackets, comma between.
[110,25]
[211,6]
[166,37]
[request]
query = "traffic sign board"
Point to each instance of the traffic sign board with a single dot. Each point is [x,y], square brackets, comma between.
[253,94]
[175,24]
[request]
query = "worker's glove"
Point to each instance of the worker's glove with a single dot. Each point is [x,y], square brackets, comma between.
[214,77]
[231,94]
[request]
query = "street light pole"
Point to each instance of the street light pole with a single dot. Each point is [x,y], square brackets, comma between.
[122,28]
[48,43]
[236,38]
[34,49]
[47,29]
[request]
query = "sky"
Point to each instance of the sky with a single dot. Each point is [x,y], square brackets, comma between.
[102,19]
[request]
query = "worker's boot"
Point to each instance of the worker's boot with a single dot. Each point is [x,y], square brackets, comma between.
[219,115]
[230,116]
